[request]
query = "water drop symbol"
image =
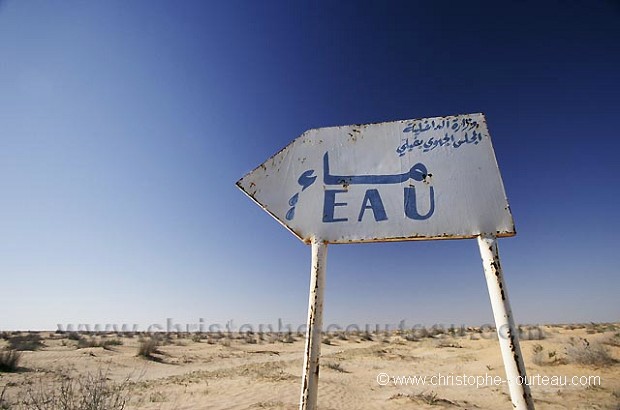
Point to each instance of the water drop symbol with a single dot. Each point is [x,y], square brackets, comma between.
[293,199]
[290,214]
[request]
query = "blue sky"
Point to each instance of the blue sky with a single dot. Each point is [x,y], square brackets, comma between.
[124,126]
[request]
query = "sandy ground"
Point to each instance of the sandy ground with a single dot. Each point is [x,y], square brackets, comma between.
[249,373]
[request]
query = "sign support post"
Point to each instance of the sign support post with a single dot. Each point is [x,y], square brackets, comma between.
[408,180]
[514,366]
[310,382]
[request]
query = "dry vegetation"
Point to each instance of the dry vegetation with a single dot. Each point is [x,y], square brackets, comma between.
[9,360]
[148,348]
[86,392]
[263,370]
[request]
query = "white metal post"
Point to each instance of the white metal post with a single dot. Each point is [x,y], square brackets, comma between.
[310,380]
[514,366]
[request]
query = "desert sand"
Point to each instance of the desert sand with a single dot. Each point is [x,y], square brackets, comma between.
[190,371]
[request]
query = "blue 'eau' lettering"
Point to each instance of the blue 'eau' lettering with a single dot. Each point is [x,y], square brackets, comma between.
[411,209]
[329,204]
[372,200]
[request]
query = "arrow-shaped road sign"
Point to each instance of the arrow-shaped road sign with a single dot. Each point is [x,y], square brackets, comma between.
[433,178]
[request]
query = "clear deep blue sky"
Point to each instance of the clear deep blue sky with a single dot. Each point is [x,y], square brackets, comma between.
[124,126]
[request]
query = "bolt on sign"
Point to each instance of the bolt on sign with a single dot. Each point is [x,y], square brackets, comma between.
[423,179]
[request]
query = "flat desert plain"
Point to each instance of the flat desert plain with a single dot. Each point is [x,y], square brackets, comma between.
[263,371]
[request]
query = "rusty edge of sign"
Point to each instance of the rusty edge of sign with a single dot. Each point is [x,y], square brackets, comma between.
[501,183]
[307,241]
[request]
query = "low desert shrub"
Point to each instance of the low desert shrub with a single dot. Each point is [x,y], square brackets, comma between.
[9,360]
[366,336]
[541,357]
[430,399]
[84,343]
[166,339]
[74,336]
[250,339]
[531,333]
[287,338]
[538,355]
[454,345]
[594,328]
[112,342]
[613,340]
[93,342]
[337,367]
[580,351]
[30,341]
[148,347]
[87,392]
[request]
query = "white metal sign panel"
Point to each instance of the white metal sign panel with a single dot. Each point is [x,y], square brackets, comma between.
[431,178]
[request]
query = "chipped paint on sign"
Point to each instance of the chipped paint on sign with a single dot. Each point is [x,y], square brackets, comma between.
[434,178]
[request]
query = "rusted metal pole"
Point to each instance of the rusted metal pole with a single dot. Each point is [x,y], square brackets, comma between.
[514,366]
[310,381]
